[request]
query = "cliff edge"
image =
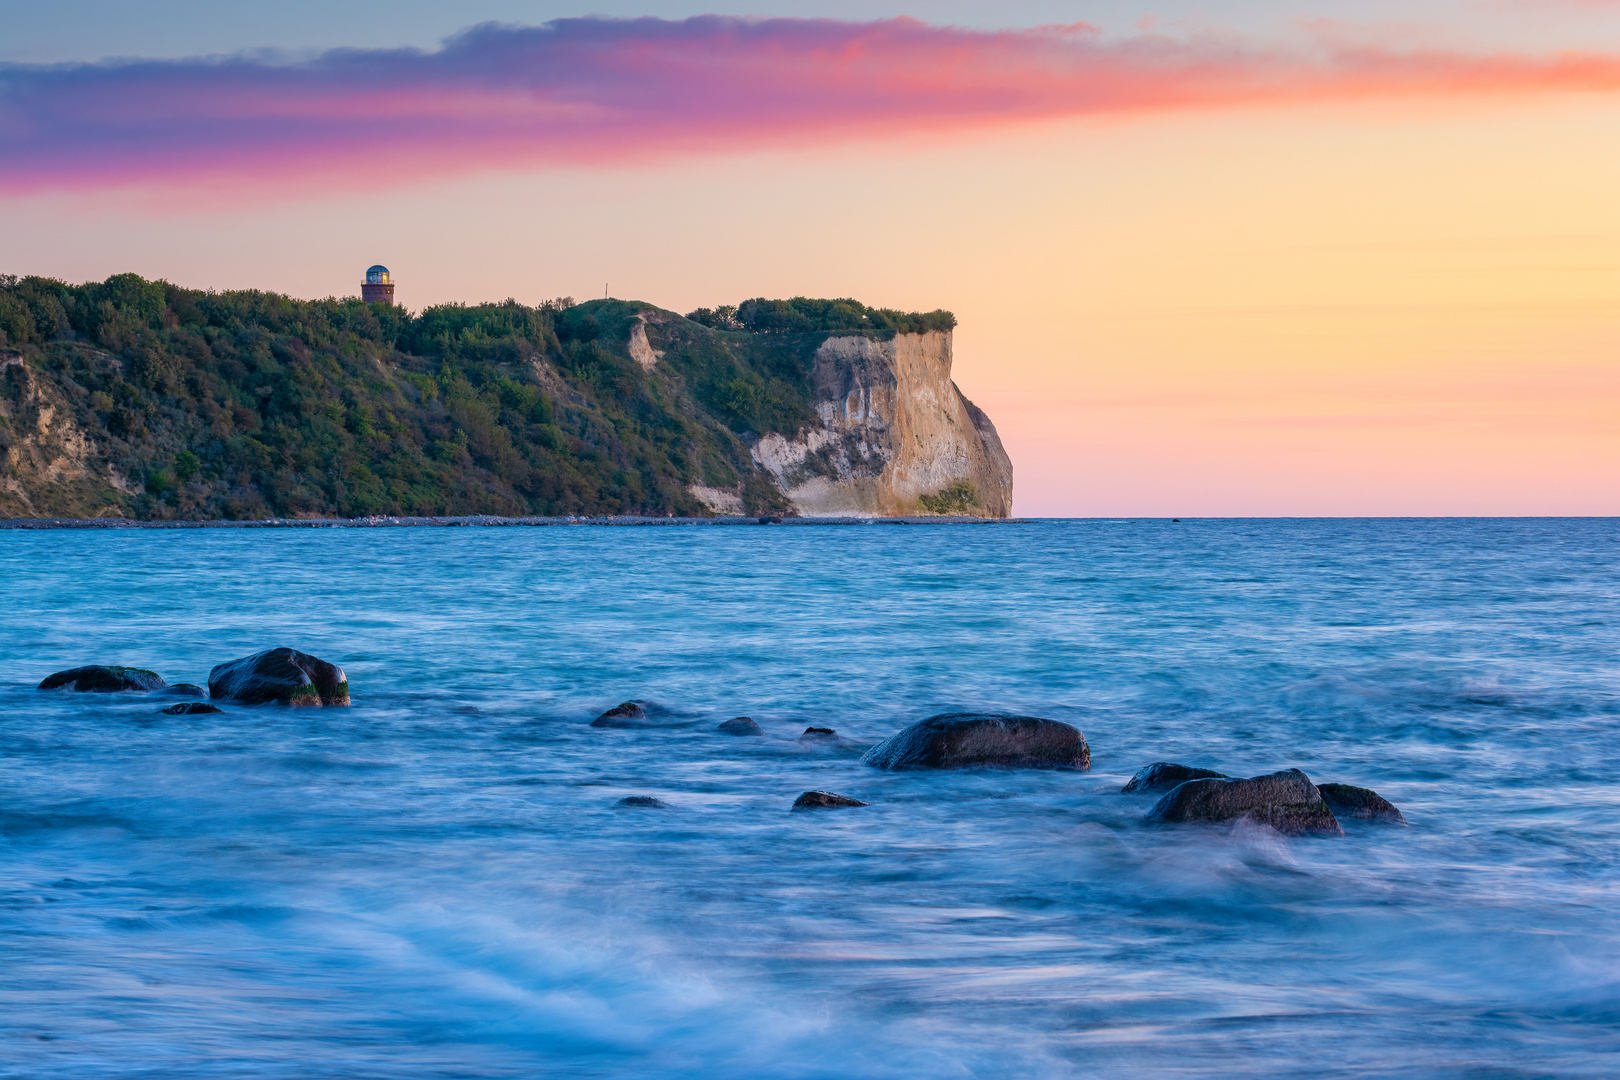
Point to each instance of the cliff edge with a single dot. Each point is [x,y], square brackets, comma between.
[147,400]
[895,436]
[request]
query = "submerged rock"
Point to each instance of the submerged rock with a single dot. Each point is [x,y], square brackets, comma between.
[823,800]
[740,725]
[643,800]
[1164,775]
[1346,800]
[103,679]
[626,714]
[962,740]
[1287,801]
[819,734]
[182,689]
[191,708]
[286,676]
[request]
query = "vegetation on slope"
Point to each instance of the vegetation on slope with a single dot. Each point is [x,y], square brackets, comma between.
[802,315]
[252,404]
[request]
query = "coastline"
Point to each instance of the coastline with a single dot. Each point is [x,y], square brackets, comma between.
[393,522]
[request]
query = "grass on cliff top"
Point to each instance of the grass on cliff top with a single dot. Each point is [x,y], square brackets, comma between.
[251,404]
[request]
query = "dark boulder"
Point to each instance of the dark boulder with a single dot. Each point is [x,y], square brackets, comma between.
[819,734]
[963,740]
[643,800]
[627,714]
[182,689]
[286,676]
[740,725]
[191,708]
[103,679]
[823,800]
[1164,775]
[1348,801]
[1287,801]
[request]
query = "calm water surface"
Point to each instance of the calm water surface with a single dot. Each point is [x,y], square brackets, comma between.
[437,883]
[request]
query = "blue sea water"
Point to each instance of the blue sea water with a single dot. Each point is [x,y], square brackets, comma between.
[437,882]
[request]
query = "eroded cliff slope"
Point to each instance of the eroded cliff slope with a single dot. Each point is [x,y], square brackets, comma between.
[42,443]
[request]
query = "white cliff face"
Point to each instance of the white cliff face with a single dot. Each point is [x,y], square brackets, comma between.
[895,436]
[641,350]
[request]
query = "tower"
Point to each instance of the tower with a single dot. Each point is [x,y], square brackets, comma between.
[378,288]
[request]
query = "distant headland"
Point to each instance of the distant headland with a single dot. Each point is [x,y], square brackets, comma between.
[143,400]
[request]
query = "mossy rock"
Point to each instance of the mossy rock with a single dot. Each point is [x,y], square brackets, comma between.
[104,679]
[280,676]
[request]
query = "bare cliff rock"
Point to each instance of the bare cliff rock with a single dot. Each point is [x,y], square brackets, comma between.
[641,351]
[895,436]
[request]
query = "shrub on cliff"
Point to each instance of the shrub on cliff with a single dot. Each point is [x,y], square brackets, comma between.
[802,315]
[958,498]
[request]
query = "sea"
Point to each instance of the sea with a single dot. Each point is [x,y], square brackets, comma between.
[439,881]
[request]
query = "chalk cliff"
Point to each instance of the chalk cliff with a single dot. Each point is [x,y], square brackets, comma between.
[895,436]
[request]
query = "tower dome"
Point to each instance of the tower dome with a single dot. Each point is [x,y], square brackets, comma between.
[378,288]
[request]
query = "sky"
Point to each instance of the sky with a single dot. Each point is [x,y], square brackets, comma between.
[1207,259]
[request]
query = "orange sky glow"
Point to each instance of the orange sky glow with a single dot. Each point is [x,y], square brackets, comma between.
[1402,302]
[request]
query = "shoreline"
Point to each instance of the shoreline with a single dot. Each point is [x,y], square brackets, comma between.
[485,520]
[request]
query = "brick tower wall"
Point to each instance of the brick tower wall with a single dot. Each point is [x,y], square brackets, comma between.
[377,294]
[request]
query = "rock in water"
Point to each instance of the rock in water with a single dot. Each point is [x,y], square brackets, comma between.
[740,725]
[627,714]
[191,708]
[1287,801]
[962,740]
[103,679]
[1164,775]
[643,800]
[183,689]
[819,734]
[286,676]
[1347,800]
[821,800]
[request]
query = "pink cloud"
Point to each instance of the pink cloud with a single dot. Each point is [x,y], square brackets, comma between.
[593,91]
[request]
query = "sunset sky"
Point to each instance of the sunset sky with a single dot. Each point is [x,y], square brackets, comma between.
[1207,258]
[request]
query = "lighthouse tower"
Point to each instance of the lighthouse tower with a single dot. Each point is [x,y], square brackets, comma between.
[378,288]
